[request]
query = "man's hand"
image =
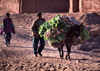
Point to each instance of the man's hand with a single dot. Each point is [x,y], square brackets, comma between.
[37,34]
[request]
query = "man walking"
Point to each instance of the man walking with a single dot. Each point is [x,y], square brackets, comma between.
[7,27]
[36,35]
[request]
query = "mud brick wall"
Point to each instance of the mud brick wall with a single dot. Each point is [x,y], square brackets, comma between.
[90,5]
[11,6]
[31,6]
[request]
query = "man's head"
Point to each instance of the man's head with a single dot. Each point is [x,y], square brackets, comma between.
[7,15]
[39,16]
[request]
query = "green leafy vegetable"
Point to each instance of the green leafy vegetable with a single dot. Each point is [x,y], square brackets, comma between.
[55,25]
[84,33]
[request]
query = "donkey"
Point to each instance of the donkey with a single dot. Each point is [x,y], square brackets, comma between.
[74,31]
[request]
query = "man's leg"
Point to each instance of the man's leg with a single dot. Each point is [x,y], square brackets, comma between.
[6,39]
[9,38]
[42,44]
[35,45]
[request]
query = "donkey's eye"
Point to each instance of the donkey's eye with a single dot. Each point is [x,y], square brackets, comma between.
[76,32]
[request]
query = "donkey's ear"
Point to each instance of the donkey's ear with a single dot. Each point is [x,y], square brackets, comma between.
[81,25]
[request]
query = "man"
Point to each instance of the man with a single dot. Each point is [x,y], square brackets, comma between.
[36,35]
[7,27]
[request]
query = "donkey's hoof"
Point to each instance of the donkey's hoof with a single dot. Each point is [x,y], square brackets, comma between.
[69,59]
[66,57]
[61,57]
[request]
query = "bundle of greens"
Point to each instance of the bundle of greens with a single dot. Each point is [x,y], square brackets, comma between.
[54,29]
[84,34]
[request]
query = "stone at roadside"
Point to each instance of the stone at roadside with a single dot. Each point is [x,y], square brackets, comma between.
[98,37]
[95,39]
[91,38]
[77,61]
[94,31]
[96,45]
[88,43]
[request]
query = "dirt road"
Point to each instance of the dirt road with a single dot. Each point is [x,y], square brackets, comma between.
[19,55]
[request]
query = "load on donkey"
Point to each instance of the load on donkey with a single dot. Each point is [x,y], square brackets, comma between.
[63,30]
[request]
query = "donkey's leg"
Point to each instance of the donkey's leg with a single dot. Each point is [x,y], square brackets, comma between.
[59,49]
[68,51]
[62,51]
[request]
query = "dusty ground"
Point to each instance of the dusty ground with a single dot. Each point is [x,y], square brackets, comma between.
[19,55]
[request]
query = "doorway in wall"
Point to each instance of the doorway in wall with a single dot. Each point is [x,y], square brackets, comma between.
[75,5]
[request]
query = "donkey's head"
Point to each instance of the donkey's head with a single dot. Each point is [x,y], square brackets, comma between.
[77,31]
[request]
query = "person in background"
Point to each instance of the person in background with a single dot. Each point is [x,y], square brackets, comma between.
[36,36]
[7,27]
